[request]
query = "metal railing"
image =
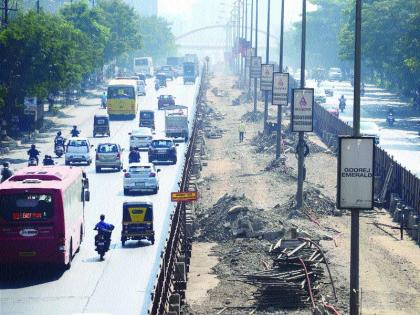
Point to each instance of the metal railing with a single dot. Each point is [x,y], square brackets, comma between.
[402,181]
[177,243]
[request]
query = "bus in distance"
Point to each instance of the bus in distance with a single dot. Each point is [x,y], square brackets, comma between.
[122,98]
[144,65]
[42,215]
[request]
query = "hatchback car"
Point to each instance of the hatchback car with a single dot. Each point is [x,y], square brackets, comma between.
[165,101]
[108,155]
[168,71]
[78,151]
[141,177]
[162,150]
[141,138]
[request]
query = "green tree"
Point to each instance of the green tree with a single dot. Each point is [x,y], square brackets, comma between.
[88,22]
[122,23]
[39,53]
[158,39]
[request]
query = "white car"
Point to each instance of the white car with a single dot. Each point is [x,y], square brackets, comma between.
[78,151]
[141,138]
[141,87]
[141,177]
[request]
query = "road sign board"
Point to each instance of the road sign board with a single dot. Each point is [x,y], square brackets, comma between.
[184,196]
[280,88]
[249,53]
[267,71]
[355,172]
[255,71]
[302,110]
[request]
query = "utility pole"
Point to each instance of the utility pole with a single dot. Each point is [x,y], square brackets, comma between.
[246,42]
[242,44]
[238,26]
[354,240]
[267,60]
[301,143]
[252,24]
[279,108]
[256,54]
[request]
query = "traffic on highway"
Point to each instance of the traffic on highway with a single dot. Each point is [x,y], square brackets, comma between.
[129,172]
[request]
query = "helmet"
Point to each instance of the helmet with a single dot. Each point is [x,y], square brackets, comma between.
[74,127]
[5,164]
[32,146]
[102,217]
[58,133]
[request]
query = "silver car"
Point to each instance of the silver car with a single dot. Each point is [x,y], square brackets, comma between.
[141,138]
[141,177]
[108,155]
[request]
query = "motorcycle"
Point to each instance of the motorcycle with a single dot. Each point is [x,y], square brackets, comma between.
[32,161]
[59,150]
[103,241]
[390,120]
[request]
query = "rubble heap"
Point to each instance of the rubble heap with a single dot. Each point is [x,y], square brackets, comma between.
[253,116]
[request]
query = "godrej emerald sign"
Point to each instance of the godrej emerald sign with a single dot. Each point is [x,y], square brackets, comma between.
[355,173]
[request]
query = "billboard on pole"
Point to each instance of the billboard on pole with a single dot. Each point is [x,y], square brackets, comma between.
[355,172]
[302,110]
[267,71]
[255,71]
[280,88]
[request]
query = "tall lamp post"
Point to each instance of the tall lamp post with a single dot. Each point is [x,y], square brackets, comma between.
[279,108]
[267,60]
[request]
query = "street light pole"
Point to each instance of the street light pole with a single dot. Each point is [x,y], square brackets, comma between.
[252,24]
[256,54]
[279,108]
[354,238]
[242,38]
[267,60]
[301,143]
[246,41]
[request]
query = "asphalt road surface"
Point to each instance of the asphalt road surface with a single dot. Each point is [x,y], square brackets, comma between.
[402,144]
[121,284]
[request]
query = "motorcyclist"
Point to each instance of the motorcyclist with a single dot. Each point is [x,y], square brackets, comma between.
[104,229]
[74,132]
[33,153]
[134,156]
[157,85]
[59,139]
[6,172]
[48,160]
[390,118]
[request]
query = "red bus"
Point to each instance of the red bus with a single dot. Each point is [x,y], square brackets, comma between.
[42,215]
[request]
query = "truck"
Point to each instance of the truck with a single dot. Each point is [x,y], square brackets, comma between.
[190,73]
[176,122]
[194,59]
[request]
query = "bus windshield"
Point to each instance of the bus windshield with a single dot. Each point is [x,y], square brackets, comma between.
[26,207]
[121,92]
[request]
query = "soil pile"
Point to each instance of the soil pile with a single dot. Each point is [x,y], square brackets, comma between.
[235,217]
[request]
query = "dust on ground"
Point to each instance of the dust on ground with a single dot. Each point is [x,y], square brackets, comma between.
[247,204]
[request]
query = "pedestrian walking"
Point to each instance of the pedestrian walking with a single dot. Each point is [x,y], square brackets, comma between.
[241,129]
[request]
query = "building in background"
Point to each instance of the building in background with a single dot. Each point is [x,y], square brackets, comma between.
[144,7]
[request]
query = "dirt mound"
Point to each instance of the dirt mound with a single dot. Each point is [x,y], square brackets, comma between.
[253,116]
[315,204]
[234,217]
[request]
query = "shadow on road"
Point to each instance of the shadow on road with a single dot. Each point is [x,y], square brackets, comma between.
[15,277]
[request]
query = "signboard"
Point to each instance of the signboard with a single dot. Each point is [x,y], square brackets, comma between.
[248,56]
[255,71]
[302,110]
[280,88]
[184,196]
[267,71]
[30,102]
[355,172]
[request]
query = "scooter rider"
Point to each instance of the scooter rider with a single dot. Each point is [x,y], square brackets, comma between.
[6,172]
[104,229]
[33,153]
[74,132]
[134,156]
[59,140]
[390,118]
[342,102]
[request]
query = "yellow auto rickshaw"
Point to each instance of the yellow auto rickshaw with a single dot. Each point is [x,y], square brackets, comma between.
[101,125]
[137,223]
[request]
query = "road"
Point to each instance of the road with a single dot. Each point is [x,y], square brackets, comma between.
[123,282]
[402,144]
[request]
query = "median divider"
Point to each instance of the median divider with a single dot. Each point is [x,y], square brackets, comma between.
[170,283]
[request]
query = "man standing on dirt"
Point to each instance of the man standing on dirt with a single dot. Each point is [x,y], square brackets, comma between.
[241,129]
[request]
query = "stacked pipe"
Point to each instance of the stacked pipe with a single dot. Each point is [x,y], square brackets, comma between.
[294,277]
